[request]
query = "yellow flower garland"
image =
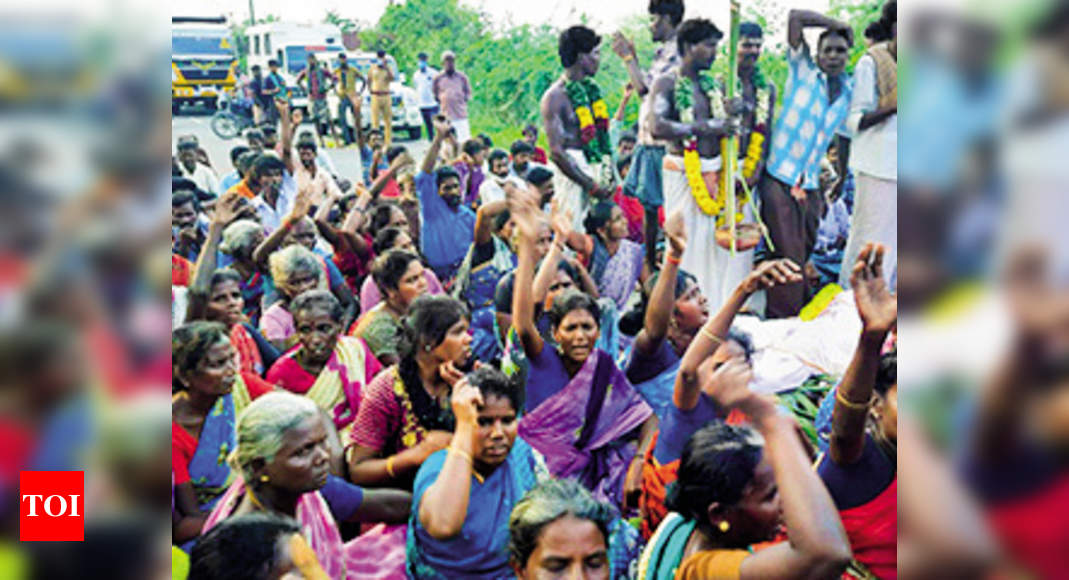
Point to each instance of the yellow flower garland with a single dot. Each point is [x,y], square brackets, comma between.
[601,110]
[692,167]
[585,118]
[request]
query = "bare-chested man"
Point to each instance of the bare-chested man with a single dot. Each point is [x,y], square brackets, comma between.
[577,178]
[683,118]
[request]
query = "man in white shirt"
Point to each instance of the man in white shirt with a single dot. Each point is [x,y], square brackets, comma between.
[492,188]
[873,120]
[428,105]
[194,167]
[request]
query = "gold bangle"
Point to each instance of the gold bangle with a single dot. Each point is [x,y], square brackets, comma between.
[462,453]
[389,466]
[850,404]
[709,334]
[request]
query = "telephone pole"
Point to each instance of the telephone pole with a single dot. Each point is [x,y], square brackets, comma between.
[252,14]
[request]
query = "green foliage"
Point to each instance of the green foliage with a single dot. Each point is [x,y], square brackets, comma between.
[511,67]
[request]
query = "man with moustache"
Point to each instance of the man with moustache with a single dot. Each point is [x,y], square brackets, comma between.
[447,227]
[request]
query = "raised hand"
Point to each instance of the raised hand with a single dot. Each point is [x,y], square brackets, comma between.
[622,46]
[728,385]
[442,126]
[772,273]
[524,206]
[302,205]
[676,232]
[227,209]
[466,401]
[876,305]
[560,220]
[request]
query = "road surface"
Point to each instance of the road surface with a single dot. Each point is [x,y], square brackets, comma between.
[346,161]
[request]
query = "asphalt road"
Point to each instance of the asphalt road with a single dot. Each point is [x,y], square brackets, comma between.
[346,161]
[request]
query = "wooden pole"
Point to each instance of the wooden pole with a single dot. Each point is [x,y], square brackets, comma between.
[730,156]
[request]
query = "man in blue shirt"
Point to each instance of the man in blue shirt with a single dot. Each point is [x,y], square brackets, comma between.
[815,106]
[447,227]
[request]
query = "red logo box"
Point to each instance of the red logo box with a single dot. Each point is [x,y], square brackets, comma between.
[51,506]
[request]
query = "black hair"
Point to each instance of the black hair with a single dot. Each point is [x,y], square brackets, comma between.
[530,128]
[495,155]
[236,152]
[744,340]
[395,151]
[254,133]
[623,161]
[245,161]
[570,301]
[598,217]
[182,197]
[422,56]
[272,62]
[486,140]
[243,547]
[566,267]
[718,463]
[380,217]
[190,343]
[539,175]
[694,31]
[546,503]
[306,143]
[627,136]
[443,173]
[491,381]
[223,275]
[501,219]
[317,299]
[880,30]
[520,146]
[385,239]
[472,146]
[670,8]
[268,128]
[182,184]
[255,68]
[380,53]
[389,268]
[887,373]
[830,32]
[375,131]
[574,41]
[265,163]
[428,321]
[751,30]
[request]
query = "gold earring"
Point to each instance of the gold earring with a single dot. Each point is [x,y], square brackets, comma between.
[264,478]
[724,526]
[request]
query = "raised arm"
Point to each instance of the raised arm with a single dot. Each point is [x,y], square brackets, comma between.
[285,133]
[662,298]
[445,503]
[526,213]
[713,334]
[225,212]
[484,220]
[625,49]
[431,157]
[878,310]
[798,20]
[274,241]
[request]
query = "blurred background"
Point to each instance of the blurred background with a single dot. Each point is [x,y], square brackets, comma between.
[85,137]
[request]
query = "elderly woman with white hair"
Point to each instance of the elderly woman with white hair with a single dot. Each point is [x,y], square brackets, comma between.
[233,236]
[284,468]
[294,269]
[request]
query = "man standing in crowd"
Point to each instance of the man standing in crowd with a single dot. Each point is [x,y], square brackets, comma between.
[689,126]
[350,85]
[275,87]
[379,78]
[814,109]
[428,106]
[312,179]
[193,166]
[319,81]
[452,91]
[873,120]
[577,147]
[447,226]
[644,177]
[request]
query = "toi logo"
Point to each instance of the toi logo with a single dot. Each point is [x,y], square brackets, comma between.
[51,506]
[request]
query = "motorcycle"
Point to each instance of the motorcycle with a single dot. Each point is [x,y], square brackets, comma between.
[232,118]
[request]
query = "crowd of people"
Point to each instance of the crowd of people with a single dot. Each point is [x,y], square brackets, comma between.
[550,362]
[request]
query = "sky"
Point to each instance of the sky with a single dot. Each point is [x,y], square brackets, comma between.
[605,15]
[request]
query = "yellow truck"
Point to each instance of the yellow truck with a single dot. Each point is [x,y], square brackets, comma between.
[203,61]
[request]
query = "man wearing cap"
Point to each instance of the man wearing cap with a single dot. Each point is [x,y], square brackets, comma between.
[428,106]
[192,168]
[379,78]
[453,91]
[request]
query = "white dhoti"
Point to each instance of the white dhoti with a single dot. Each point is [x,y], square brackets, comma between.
[717,271]
[569,194]
[875,219]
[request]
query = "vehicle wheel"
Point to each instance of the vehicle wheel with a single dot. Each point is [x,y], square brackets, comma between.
[175,108]
[225,125]
[414,133]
